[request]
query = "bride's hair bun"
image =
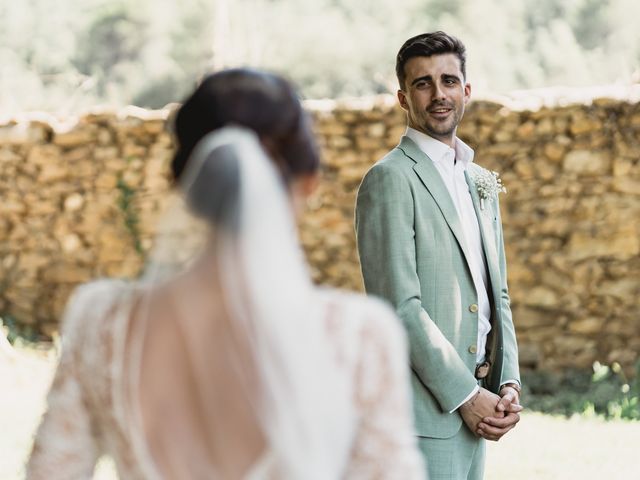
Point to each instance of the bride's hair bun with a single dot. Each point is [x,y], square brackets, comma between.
[262,102]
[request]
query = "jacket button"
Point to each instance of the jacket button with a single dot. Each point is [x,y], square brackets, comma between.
[473,349]
[473,308]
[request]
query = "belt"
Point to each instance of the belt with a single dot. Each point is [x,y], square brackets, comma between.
[482,370]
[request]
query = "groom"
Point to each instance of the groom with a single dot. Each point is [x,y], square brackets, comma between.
[430,242]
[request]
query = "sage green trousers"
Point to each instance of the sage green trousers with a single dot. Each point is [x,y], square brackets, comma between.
[460,457]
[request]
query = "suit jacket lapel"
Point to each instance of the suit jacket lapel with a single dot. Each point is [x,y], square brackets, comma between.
[431,179]
[485,220]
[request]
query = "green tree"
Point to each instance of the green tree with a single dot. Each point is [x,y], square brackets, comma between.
[74,53]
[112,41]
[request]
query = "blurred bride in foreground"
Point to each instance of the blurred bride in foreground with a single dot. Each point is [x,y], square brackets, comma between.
[224,361]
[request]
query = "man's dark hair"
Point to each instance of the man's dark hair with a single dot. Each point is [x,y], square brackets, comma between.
[426,45]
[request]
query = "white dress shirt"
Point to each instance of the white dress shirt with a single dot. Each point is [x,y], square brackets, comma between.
[452,164]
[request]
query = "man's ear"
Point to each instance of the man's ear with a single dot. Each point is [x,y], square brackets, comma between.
[467,93]
[402,98]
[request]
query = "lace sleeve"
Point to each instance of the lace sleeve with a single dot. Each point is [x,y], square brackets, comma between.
[386,446]
[64,446]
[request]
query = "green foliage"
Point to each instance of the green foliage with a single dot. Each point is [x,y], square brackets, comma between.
[151,52]
[125,202]
[156,93]
[18,333]
[113,40]
[607,393]
[591,25]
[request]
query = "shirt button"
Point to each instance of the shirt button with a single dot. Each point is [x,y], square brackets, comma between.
[473,349]
[473,308]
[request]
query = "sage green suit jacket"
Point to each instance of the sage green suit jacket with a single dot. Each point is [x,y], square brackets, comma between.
[413,254]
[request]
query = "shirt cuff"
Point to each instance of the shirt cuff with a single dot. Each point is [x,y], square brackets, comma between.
[510,381]
[468,397]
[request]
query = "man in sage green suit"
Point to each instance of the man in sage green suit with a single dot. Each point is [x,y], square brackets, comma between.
[430,242]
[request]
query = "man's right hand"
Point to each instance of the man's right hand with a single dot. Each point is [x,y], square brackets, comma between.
[481,405]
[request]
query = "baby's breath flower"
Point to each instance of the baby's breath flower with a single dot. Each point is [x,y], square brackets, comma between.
[489,185]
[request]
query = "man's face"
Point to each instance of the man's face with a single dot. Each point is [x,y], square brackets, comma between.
[434,95]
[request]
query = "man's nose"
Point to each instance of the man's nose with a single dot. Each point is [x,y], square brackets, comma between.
[438,91]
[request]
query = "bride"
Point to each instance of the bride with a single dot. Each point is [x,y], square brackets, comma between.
[224,361]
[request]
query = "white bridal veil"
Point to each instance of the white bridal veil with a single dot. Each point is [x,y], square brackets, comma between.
[234,210]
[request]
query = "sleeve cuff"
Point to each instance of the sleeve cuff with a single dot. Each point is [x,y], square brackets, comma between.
[517,382]
[467,398]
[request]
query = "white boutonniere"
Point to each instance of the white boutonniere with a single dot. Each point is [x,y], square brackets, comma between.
[489,185]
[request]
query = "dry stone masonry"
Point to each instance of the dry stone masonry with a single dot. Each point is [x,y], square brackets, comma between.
[80,201]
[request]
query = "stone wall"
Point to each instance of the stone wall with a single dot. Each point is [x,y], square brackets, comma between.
[81,201]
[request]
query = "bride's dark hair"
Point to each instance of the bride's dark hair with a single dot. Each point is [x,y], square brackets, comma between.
[263,102]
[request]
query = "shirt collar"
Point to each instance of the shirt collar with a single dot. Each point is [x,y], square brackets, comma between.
[438,151]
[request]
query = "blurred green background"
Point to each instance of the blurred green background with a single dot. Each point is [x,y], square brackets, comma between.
[67,55]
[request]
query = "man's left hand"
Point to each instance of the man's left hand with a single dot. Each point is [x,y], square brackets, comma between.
[510,398]
[493,428]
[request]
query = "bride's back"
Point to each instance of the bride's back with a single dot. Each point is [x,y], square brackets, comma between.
[198,392]
[201,392]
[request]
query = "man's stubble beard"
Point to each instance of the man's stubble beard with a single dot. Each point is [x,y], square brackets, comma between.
[445,131]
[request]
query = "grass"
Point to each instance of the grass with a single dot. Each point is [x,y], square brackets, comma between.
[607,392]
[545,447]
[542,447]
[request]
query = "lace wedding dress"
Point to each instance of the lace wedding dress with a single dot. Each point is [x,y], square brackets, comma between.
[88,415]
[235,366]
